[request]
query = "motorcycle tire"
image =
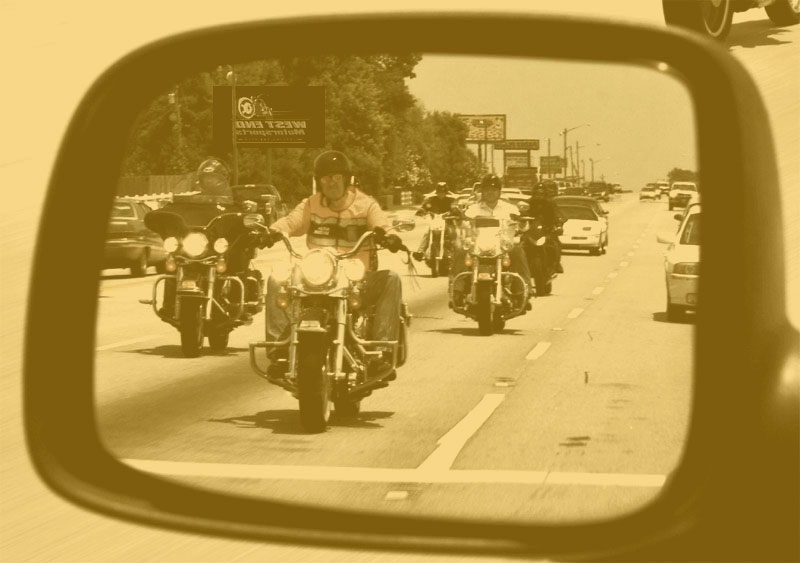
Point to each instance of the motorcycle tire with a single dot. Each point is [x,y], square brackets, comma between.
[313,383]
[484,309]
[191,327]
[784,12]
[218,340]
[541,278]
[434,268]
[701,16]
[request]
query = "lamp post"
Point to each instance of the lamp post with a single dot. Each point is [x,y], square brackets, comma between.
[578,160]
[230,77]
[594,160]
[564,134]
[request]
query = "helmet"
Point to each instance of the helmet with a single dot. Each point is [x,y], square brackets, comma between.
[441,187]
[551,189]
[331,162]
[212,176]
[491,181]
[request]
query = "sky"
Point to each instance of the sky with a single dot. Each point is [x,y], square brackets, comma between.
[640,120]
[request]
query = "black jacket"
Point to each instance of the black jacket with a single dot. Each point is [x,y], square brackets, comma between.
[436,204]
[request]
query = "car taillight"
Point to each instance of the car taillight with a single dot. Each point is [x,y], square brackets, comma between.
[686,268]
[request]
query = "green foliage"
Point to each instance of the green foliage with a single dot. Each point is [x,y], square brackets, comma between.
[681,175]
[370,115]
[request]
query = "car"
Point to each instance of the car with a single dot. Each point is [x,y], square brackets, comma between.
[649,192]
[598,190]
[682,265]
[563,185]
[515,196]
[403,219]
[573,190]
[714,19]
[585,201]
[680,192]
[129,244]
[664,187]
[583,229]
[693,201]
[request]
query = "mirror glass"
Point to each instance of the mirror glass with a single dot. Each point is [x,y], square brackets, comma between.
[573,408]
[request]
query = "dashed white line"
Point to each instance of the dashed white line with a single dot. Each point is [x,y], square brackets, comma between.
[386,475]
[612,275]
[623,264]
[451,443]
[598,290]
[538,351]
[575,313]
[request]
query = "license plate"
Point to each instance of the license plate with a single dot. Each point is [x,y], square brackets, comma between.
[484,275]
[188,284]
[309,324]
[579,238]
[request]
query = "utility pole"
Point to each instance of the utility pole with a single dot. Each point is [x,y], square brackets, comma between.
[578,160]
[564,134]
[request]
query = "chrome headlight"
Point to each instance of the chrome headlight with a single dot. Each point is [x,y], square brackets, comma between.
[506,244]
[354,269]
[221,246]
[171,244]
[195,244]
[318,267]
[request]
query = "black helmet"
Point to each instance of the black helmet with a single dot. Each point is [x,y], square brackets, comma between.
[212,177]
[331,162]
[441,186]
[491,181]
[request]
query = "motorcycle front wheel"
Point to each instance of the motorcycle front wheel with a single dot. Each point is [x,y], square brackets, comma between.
[313,383]
[541,278]
[191,327]
[484,309]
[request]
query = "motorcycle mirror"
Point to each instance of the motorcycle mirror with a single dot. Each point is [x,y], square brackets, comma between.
[254,220]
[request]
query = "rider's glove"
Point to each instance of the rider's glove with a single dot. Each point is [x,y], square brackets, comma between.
[393,243]
[267,238]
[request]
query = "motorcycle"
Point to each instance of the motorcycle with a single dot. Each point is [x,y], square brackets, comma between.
[487,292]
[209,288]
[538,246]
[439,254]
[328,350]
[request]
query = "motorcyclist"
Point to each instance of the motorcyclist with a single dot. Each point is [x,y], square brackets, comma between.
[335,218]
[490,205]
[440,202]
[541,206]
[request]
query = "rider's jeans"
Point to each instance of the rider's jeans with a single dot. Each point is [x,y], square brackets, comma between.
[382,288]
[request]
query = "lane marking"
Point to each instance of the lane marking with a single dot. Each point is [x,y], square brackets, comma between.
[598,290]
[126,342]
[450,444]
[623,264]
[575,313]
[385,475]
[612,275]
[538,351]
[396,495]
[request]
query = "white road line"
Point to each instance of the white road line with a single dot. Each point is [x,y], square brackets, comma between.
[631,253]
[612,275]
[385,475]
[538,351]
[623,264]
[575,313]
[126,342]
[451,443]
[598,290]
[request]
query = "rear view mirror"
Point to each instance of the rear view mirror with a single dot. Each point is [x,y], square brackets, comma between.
[665,238]
[745,350]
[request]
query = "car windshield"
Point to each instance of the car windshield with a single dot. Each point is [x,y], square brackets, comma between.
[578,212]
[123,211]
[691,231]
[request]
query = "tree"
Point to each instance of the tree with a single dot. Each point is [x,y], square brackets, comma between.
[681,175]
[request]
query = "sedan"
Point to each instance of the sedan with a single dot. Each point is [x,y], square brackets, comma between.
[584,201]
[650,192]
[682,265]
[129,244]
[583,230]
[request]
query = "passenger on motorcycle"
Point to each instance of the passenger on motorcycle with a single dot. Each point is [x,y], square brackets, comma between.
[490,205]
[541,206]
[440,202]
[335,217]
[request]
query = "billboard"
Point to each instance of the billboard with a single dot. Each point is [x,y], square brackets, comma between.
[551,164]
[518,144]
[489,127]
[517,159]
[269,116]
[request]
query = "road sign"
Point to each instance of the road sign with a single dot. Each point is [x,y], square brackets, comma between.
[490,128]
[518,144]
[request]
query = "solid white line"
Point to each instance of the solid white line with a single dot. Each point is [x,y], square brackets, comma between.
[598,290]
[538,351]
[383,475]
[575,313]
[451,443]
[126,342]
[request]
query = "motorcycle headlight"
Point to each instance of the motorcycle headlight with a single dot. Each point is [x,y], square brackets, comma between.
[221,246]
[171,244]
[354,269]
[195,244]
[318,267]
[540,241]
[506,245]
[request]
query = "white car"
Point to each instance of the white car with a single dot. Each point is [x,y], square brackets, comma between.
[680,193]
[682,265]
[583,230]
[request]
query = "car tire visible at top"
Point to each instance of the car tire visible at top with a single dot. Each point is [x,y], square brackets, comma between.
[784,12]
[712,18]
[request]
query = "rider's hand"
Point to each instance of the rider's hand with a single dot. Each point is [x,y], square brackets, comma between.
[267,238]
[393,243]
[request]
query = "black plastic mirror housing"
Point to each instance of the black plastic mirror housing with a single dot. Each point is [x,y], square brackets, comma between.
[735,493]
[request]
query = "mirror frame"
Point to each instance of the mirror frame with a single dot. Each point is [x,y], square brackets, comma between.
[741,421]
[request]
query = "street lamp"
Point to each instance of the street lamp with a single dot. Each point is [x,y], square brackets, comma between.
[564,134]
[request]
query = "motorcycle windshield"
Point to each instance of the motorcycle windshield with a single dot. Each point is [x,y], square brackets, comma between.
[179,218]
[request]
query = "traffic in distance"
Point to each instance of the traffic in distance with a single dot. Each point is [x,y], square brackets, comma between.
[403,317]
